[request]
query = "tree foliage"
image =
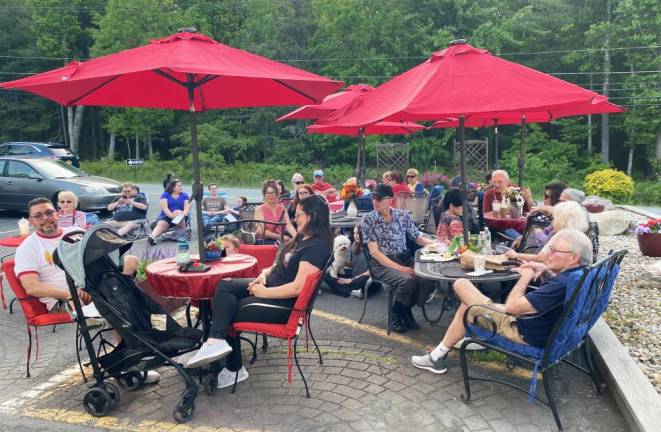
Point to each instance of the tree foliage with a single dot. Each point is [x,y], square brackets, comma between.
[356,41]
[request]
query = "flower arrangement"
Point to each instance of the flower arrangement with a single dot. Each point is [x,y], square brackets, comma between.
[651,226]
[514,195]
[213,249]
[430,179]
[350,191]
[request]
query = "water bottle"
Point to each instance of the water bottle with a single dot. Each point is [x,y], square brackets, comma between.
[23,227]
[183,257]
[480,242]
[487,242]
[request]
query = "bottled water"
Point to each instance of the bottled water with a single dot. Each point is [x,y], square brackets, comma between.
[486,250]
[183,256]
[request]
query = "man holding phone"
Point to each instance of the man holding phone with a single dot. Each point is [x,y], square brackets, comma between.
[128,208]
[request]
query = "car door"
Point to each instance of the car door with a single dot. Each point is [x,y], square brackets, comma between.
[23,184]
[4,188]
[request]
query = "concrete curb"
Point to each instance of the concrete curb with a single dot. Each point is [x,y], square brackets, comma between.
[633,393]
[637,210]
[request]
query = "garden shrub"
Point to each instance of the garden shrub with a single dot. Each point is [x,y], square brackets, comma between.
[610,183]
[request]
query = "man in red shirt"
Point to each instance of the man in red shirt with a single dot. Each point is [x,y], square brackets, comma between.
[501,181]
[322,188]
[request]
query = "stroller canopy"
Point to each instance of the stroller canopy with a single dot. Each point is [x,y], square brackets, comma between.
[80,248]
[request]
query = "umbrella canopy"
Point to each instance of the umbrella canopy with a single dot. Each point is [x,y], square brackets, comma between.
[185,71]
[378,128]
[159,74]
[463,80]
[329,104]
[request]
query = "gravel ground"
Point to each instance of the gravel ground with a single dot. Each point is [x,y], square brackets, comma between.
[634,313]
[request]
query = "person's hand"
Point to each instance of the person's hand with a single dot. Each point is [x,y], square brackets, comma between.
[261,279]
[405,269]
[516,242]
[525,272]
[344,281]
[84,297]
[536,267]
[257,289]
[511,254]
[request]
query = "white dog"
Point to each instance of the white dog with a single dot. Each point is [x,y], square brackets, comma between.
[341,246]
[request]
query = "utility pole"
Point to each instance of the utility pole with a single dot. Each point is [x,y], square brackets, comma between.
[605,142]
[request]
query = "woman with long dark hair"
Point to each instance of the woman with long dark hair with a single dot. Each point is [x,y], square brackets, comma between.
[270,297]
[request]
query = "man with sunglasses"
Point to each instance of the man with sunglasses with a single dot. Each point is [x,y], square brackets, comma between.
[386,231]
[569,250]
[35,268]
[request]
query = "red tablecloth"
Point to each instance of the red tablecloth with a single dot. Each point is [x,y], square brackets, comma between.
[518,224]
[167,281]
[14,241]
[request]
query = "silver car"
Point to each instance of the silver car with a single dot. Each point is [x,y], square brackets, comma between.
[23,179]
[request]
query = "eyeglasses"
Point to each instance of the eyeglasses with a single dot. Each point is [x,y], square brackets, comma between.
[411,176]
[40,216]
[271,192]
[65,201]
[306,193]
[553,250]
[298,182]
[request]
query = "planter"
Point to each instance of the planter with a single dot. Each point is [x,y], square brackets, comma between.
[515,212]
[649,244]
[210,255]
[594,208]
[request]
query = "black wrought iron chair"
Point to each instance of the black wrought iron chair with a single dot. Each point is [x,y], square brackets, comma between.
[586,298]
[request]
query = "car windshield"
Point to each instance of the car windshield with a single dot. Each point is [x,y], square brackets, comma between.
[61,151]
[58,169]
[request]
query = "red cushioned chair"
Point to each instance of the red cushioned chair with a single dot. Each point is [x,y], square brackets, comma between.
[299,319]
[36,314]
[265,254]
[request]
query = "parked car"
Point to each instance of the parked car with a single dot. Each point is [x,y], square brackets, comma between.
[22,179]
[38,150]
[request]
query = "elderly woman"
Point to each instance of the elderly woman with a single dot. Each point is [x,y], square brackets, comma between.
[413,181]
[572,195]
[567,215]
[270,297]
[272,211]
[296,180]
[175,208]
[70,217]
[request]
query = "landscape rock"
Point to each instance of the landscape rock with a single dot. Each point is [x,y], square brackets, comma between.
[612,222]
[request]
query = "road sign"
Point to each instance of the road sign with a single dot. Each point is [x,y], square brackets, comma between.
[134,162]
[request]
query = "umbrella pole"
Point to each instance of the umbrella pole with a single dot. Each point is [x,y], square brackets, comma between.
[361,158]
[522,152]
[495,144]
[197,184]
[462,171]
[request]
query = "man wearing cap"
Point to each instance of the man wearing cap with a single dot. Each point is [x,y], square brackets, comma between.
[322,188]
[385,231]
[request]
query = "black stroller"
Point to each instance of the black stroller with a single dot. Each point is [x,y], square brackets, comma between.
[91,262]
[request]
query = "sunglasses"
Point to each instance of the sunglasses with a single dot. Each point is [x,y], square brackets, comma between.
[298,182]
[41,216]
[411,176]
[65,201]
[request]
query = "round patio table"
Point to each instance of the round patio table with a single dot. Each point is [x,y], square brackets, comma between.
[517,224]
[166,279]
[12,241]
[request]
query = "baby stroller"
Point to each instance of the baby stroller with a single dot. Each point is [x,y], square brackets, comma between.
[150,337]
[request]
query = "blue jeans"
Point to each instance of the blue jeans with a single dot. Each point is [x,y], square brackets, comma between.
[207,220]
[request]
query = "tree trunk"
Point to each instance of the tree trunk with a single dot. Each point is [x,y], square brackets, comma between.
[75,123]
[590,125]
[658,145]
[137,147]
[63,126]
[605,142]
[128,148]
[150,147]
[111,147]
[630,161]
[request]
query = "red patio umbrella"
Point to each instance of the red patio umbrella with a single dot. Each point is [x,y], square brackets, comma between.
[185,71]
[328,105]
[460,81]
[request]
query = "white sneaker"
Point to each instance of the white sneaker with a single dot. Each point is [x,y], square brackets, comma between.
[209,353]
[226,377]
[358,293]
[470,347]
[152,377]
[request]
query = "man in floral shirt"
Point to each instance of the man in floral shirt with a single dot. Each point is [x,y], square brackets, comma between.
[385,231]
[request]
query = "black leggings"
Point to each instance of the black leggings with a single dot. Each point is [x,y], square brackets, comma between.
[233,303]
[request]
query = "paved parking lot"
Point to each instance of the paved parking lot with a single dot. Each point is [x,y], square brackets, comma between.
[366,383]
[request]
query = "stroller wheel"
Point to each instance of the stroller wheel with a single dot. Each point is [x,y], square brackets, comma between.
[114,393]
[98,402]
[132,380]
[210,382]
[184,410]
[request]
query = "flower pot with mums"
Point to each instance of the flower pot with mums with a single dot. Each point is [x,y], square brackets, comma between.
[648,235]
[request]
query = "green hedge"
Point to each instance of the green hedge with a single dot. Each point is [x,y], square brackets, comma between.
[647,192]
